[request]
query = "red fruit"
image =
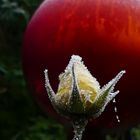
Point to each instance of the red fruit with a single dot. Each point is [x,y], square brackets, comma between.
[105,33]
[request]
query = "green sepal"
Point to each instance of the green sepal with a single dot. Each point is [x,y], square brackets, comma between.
[105,96]
[98,105]
[75,104]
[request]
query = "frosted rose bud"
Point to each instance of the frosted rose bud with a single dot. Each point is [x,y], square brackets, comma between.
[79,93]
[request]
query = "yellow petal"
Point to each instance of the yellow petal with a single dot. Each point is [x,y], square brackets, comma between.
[88,86]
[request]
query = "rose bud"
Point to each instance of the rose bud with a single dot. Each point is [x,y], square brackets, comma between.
[79,94]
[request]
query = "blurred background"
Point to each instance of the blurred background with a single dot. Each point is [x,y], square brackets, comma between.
[20,116]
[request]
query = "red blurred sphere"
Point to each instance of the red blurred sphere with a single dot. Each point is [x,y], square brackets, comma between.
[105,33]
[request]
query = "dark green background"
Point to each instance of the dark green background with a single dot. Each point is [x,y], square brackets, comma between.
[20,116]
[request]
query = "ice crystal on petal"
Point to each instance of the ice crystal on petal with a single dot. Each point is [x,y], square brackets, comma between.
[81,70]
[74,59]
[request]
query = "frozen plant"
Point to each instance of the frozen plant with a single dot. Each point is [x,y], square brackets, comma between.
[79,96]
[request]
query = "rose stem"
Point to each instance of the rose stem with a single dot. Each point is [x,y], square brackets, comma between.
[79,127]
